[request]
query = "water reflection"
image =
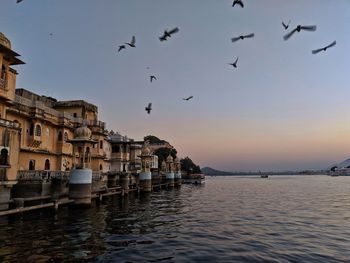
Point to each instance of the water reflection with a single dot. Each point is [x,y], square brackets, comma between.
[228,220]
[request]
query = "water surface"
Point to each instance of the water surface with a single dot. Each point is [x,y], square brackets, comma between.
[230,219]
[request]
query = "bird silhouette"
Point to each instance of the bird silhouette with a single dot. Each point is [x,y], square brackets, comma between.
[324,48]
[152,78]
[149,108]
[238,2]
[168,34]
[285,25]
[298,29]
[234,64]
[234,39]
[132,43]
[18,1]
[121,47]
[188,98]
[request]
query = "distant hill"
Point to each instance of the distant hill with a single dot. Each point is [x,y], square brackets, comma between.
[345,163]
[211,171]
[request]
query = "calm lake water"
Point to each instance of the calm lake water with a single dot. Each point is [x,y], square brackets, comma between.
[230,219]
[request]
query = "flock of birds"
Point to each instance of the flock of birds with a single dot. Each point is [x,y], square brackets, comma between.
[164,37]
[168,33]
[285,37]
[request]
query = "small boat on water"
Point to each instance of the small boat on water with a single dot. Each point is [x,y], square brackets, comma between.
[345,171]
[193,179]
[263,175]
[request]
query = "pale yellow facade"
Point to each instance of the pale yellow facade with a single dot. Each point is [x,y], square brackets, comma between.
[34,129]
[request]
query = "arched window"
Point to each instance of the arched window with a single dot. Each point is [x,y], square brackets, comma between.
[32,165]
[65,136]
[100,167]
[37,130]
[47,164]
[4,157]
[59,136]
[101,144]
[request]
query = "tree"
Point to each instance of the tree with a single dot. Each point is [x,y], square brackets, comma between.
[189,166]
[334,168]
[163,153]
[153,139]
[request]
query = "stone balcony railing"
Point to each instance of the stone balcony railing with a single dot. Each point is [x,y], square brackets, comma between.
[41,175]
[99,176]
[3,83]
[66,115]
[9,124]
[78,121]
[95,123]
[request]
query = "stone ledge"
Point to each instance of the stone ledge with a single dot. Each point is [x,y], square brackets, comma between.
[8,183]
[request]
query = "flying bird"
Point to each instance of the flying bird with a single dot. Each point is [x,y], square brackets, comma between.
[234,39]
[190,97]
[298,29]
[121,47]
[285,25]
[238,2]
[152,78]
[18,1]
[324,48]
[132,43]
[234,64]
[168,34]
[149,108]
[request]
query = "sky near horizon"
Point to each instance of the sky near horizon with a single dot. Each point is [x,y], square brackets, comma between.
[281,109]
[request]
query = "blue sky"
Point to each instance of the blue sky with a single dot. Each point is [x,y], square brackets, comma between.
[282,108]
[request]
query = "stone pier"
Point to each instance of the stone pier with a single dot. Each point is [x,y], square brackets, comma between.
[145,177]
[177,173]
[169,171]
[81,175]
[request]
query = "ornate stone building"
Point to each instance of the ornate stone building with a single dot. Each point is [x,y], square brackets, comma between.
[124,153]
[34,129]
[10,130]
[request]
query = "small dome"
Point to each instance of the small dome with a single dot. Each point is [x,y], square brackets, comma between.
[169,158]
[82,132]
[5,41]
[145,150]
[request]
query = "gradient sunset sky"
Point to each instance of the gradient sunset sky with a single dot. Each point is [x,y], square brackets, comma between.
[281,109]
